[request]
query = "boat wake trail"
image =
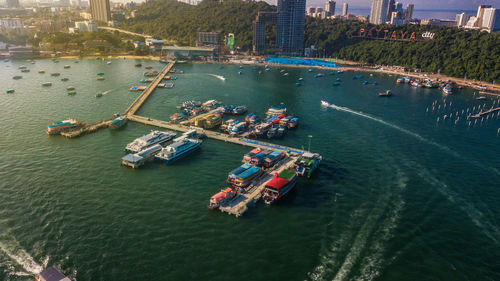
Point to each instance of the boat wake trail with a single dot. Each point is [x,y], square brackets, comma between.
[10,247]
[477,217]
[359,113]
[364,247]
[410,133]
[220,77]
[107,92]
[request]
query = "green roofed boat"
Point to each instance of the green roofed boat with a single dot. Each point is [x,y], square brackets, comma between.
[72,93]
[118,122]
[46,84]
[280,185]
[17,77]
[307,163]
[10,91]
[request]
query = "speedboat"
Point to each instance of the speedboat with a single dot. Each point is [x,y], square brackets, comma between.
[324,103]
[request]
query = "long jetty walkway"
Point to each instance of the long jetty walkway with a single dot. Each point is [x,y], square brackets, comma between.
[481,114]
[213,135]
[87,129]
[130,110]
[239,205]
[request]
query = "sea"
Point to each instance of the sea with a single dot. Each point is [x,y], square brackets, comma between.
[401,194]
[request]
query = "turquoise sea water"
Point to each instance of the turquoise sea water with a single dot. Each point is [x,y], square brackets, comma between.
[399,196]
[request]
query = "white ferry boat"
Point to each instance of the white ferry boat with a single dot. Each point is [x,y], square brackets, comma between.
[179,148]
[155,137]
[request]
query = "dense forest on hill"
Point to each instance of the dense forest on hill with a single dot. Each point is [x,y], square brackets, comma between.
[176,21]
[452,51]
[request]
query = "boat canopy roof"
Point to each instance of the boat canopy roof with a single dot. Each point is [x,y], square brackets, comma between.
[277,182]
[249,172]
[308,155]
[240,169]
[52,274]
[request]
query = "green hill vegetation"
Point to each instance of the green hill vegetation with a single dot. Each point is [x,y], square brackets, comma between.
[172,20]
[452,51]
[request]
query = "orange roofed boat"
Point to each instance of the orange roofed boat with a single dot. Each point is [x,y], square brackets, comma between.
[224,196]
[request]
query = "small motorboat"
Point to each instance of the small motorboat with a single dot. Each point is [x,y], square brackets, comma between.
[41,71]
[98,95]
[100,78]
[324,103]
[481,98]
[64,79]
[11,91]
[46,84]
[385,94]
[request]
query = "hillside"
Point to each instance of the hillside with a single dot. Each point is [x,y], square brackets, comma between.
[169,19]
[452,51]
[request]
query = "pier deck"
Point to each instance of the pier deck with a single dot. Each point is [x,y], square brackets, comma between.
[239,205]
[213,135]
[481,114]
[88,129]
[132,109]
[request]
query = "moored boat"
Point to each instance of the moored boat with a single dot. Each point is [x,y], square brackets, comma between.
[100,78]
[55,74]
[243,176]
[67,66]
[307,163]
[385,94]
[279,185]
[155,137]
[46,84]
[41,71]
[51,274]
[447,89]
[71,93]
[70,88]
[10,91]
[248,156]
[179,148]
[64,79]
[98,95]
[118,122]
[177,117]
[138,65]
[221,197]
[324,103]
[64,126]
[273,158]
[17,77]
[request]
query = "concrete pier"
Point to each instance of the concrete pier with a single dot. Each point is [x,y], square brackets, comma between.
[239,205]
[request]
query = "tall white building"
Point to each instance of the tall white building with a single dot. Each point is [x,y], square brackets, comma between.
[378,13]
[480,13]
[345,6]
[462,19]
[491,19]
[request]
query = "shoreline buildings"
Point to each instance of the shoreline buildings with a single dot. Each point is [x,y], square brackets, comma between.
[100,10]
[289,20]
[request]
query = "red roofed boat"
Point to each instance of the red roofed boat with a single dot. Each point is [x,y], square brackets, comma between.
[280,185]
[221,197]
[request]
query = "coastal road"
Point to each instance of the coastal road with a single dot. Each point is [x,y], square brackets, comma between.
[124,31]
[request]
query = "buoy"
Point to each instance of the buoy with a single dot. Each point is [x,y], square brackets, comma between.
[437,120]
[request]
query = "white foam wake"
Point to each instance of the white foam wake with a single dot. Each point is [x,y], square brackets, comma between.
[12,248]
[410,133]
[220,77]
